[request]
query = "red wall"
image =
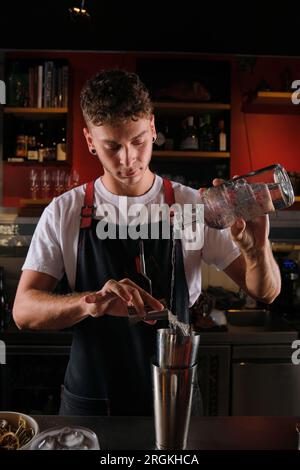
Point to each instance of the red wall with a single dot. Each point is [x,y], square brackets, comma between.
[263,135]
[259,137]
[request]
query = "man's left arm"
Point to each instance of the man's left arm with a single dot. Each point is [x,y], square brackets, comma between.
[255,270]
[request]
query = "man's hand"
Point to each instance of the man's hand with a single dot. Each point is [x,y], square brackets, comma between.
[116,296]
[252,235]
[255,270]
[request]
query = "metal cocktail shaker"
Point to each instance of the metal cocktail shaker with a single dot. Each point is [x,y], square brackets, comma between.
[174,376]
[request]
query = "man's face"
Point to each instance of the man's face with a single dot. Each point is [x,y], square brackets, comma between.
[124,150]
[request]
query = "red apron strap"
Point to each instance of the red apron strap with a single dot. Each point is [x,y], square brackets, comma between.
[169,192]
[88,209]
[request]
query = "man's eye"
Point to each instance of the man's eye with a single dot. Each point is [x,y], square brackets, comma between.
[138,142]
[114,148]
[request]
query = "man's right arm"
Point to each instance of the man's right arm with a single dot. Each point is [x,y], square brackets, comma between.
[36,307]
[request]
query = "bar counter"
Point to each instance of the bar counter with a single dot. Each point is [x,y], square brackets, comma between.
[205,433]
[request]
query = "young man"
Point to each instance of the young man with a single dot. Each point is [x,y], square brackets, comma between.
[109,367]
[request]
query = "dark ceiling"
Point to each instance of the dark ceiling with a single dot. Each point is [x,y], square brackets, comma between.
[196,26]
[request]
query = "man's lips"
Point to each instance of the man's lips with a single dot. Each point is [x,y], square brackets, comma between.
[130,173]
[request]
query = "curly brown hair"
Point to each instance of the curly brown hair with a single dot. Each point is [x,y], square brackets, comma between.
[113,96]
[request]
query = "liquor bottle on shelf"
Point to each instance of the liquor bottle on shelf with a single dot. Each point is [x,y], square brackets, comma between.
[32,149]
[16,85]
[159,143]
[206,134]
[21,146]
[41,142]
[49,141]
[4,310]
[190,139]
[61,147]
[169,140]
[222,137]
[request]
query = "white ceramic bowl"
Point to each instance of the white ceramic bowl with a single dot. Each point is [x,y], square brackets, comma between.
[13,417]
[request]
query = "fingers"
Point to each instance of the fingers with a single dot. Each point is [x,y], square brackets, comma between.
[237,229]
[217,181]
[150,322]
[126,292]
[111,290]
[137,302]
[146,297]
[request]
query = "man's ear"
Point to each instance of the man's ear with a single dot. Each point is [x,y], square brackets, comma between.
[88,137]
[152,125]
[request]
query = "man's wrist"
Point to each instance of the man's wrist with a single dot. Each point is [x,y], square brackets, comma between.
[83,306]
[257,256]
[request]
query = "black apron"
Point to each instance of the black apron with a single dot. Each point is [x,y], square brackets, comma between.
[109,370]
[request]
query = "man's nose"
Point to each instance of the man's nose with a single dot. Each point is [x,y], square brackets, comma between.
[127,157]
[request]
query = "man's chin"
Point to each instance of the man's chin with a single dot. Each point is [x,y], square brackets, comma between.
[132,179]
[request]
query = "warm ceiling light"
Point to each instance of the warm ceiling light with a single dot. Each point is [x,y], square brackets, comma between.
[76,12]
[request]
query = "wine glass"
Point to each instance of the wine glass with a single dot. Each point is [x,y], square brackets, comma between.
[59,182]
[46,184]
[34,183]
[75,178]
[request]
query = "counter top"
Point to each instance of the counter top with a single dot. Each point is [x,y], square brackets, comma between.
[206,433]
[275,332]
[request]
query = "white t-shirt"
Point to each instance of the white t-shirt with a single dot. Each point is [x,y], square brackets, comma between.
[53,249]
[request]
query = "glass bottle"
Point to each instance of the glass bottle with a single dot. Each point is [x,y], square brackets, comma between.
[206,134]
[40,142]
[21,146]
[32,150]
[169,142]
[61,148]
[254,194]
[222,137]
[190,139]
[16,85]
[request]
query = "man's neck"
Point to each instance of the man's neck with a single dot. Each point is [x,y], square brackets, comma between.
[116,187]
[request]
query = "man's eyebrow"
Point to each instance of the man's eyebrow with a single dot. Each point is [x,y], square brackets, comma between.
[139,135]
[108,141]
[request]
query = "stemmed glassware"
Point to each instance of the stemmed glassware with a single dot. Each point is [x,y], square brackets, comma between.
[59,182]
[71,180]
[46,184]
[34,183]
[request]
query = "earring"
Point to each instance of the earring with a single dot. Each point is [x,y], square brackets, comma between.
[93,151]
[153,139]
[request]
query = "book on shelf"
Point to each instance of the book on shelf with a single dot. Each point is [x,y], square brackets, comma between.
[38,84]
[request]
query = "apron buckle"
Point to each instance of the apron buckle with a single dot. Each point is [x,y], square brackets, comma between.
[88,212]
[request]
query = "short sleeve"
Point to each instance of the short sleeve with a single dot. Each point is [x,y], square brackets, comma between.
[219,249]
[45,254]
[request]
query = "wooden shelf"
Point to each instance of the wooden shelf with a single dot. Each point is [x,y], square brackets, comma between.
[35,163]
[34,111]
[273,97]
[34,202]
[284,247]
[178,107]
[189,154]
